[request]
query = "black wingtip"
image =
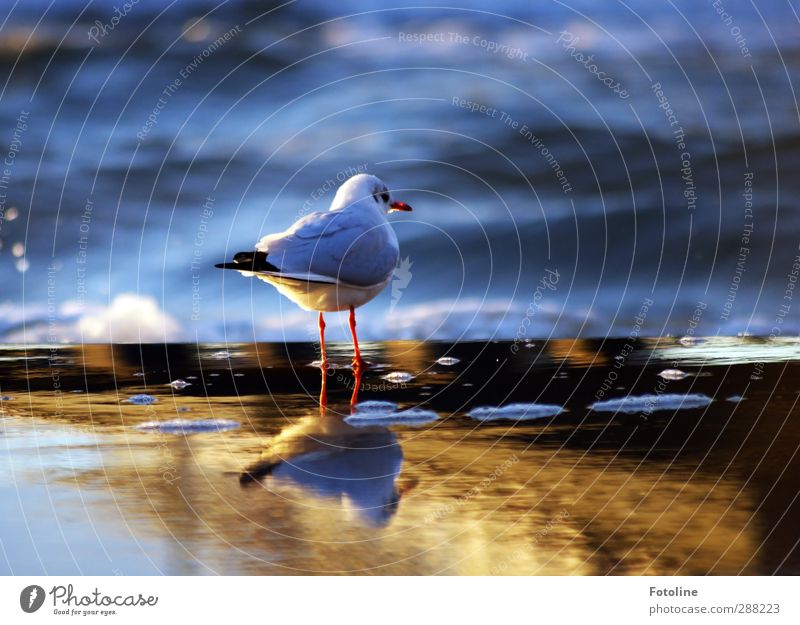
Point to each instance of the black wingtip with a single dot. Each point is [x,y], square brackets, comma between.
[249,261]
[257,472]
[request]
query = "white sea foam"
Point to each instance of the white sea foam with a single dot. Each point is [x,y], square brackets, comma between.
[723,350]
[376,405]
[468,318]
[515,412]
[673,374]
[142,399]
[650,403]
[398,377]
[386,413]
[188,426]
[447,361]
[130,318]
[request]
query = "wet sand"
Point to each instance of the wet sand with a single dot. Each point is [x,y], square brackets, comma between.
[303,488]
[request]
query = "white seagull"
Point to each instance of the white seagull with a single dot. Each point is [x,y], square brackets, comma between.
[332,261]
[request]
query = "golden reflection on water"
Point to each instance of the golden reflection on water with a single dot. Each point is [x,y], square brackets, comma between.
[575,353]
[296,491]
[335,498]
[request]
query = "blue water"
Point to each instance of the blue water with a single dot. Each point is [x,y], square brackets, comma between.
[560,210]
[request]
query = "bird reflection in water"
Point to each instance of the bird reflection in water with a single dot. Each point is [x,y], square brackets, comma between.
[327,457]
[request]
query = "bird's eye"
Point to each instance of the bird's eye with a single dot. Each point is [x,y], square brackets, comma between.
[385,197]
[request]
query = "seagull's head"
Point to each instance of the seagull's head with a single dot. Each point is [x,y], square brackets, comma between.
[369,189]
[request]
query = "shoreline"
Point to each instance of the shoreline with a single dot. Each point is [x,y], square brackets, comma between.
[586,446]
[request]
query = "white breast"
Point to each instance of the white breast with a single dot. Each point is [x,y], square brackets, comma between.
[324,297]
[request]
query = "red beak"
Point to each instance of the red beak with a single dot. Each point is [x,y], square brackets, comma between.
[400,206]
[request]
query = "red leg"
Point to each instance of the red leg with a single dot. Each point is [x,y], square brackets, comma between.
[324,359]
[323,392]
[358,361]
[357,373]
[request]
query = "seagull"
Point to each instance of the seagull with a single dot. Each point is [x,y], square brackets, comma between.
[357,466]
[332,261]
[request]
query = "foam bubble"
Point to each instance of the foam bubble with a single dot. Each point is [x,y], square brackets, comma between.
[650,403]
[188,426]
[376,406]
[447,361]
[398,377]
[143,399]
[673,374]
[515,412]
[374,415]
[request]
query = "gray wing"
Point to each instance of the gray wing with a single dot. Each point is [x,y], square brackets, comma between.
[336,244]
